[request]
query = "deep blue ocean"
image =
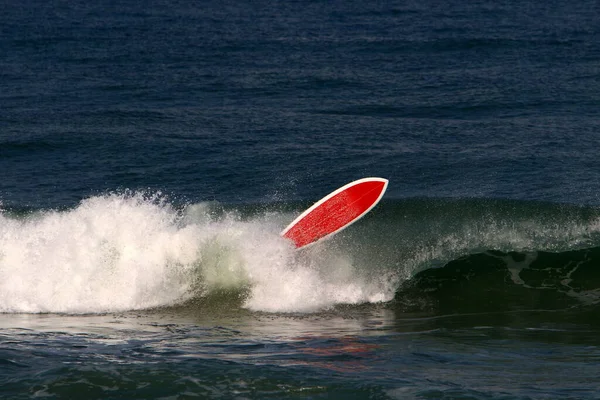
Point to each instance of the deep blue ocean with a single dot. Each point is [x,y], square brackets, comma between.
[152,152]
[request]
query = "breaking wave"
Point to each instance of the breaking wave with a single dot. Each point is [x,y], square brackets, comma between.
[131,251]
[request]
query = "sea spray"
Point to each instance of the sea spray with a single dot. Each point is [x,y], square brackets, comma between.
[111,253]
[279,278]
[133,251]
[314,281]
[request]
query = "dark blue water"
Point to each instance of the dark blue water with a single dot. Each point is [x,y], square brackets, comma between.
[150,154]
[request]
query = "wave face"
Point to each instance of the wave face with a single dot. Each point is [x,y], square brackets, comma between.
[133,251]
[496,281]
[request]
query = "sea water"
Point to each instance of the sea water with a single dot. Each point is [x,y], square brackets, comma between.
[150,155]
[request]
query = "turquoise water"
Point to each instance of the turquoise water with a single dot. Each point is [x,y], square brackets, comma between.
[150,154]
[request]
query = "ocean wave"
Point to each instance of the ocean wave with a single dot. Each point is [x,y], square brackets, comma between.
[130,251]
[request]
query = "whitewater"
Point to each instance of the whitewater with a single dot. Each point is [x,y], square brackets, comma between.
[136,251]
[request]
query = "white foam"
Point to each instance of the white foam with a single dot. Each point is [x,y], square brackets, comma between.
[128,251]
[312,282]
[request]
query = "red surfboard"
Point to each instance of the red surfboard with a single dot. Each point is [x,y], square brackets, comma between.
[336,211]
